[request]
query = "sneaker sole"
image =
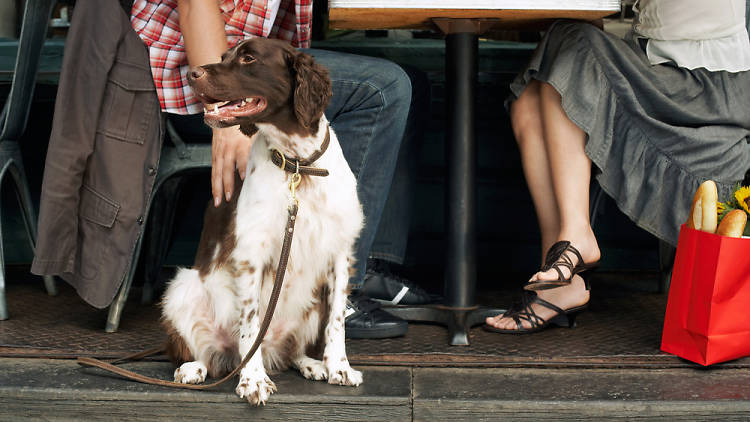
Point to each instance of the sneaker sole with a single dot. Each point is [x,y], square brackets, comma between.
[359,333]
[387,304]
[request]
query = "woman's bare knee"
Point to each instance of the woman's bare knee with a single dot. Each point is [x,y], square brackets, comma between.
[548,92]
[525,111]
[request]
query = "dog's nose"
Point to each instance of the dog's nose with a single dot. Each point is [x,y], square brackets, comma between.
[196,73]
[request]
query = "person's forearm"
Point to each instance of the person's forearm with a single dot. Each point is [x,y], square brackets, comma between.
[205,40]
[203,31]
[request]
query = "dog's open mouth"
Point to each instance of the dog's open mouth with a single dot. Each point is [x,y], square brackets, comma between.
[222,110]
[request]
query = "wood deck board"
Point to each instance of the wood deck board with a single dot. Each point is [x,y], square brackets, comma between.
[41,389]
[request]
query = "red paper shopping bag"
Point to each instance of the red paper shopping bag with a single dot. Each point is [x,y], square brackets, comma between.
[708,312]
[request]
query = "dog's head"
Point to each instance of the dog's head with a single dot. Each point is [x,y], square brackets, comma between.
[263,81]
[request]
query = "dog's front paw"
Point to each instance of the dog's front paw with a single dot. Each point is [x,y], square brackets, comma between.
[256,391]
[344,374]
[313,370]
[190,373]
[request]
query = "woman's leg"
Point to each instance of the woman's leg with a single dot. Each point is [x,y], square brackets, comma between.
[558,174]
[571,177]
[526,119]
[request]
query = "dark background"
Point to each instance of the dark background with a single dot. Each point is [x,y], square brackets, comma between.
[508,239]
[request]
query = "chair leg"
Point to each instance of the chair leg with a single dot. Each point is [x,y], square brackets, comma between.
[115,309]
[159,234]
[29,217]
[666,262]
[3,304]
[118,304]
[596,194]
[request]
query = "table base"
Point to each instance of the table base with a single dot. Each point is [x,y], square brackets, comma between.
[458,321]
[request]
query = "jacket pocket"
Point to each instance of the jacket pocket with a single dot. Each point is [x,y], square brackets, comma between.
[97,208]
[130,104]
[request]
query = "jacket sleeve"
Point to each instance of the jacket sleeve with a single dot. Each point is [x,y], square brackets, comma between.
[89,56]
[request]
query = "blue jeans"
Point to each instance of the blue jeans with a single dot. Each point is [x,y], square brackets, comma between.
[393,231]
[368,111]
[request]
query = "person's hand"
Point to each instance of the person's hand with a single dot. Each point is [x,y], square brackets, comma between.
[230,150]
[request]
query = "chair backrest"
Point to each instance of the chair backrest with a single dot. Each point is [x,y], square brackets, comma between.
[15,112]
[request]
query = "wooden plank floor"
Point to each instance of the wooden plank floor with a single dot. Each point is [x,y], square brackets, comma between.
[60,390]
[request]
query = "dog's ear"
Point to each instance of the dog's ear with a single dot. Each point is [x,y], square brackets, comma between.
[312,88]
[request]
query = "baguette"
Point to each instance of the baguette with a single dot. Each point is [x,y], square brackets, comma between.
[703,213]
[733,224]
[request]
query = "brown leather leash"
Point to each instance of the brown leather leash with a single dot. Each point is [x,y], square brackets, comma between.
[277,284]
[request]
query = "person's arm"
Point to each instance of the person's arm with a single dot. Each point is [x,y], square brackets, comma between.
[205,40]
[202,30]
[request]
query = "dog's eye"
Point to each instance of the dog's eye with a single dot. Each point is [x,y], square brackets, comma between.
[246,59]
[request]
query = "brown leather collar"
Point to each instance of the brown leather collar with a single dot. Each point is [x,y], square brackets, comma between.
[295,165]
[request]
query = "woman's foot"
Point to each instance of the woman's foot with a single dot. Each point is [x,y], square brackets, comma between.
[566,297]
[582,241]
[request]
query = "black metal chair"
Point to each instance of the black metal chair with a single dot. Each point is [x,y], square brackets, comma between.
[178,158]
[14,118]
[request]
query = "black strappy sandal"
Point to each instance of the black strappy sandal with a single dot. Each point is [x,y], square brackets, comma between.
[524,312]
[557,258]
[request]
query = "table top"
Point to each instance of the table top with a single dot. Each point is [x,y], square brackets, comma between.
[409,18]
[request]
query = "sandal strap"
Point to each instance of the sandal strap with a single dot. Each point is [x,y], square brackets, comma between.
[524,311]
[527,313]
[557,257]
[547,305]
[533,319]
[558,251]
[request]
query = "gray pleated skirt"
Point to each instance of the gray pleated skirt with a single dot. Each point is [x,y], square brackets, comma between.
[654,132]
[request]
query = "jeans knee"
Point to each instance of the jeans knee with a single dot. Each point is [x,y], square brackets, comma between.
[395,86]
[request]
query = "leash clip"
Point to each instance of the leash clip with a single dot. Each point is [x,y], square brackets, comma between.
[294,183]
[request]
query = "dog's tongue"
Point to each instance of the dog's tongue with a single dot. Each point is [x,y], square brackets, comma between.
[240,107]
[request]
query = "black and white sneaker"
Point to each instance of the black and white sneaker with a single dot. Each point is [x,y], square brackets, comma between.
[389,289]
[365,319]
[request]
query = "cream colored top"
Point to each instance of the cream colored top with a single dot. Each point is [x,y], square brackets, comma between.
[695,33]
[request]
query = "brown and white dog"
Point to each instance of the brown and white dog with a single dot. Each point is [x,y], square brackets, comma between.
[213,311]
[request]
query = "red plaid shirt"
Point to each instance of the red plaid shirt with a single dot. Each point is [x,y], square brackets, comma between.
[157,23]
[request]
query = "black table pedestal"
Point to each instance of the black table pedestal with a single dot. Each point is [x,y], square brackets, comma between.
[459,311]
[456,320]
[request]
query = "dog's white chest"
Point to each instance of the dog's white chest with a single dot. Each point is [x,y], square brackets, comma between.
[328,218]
